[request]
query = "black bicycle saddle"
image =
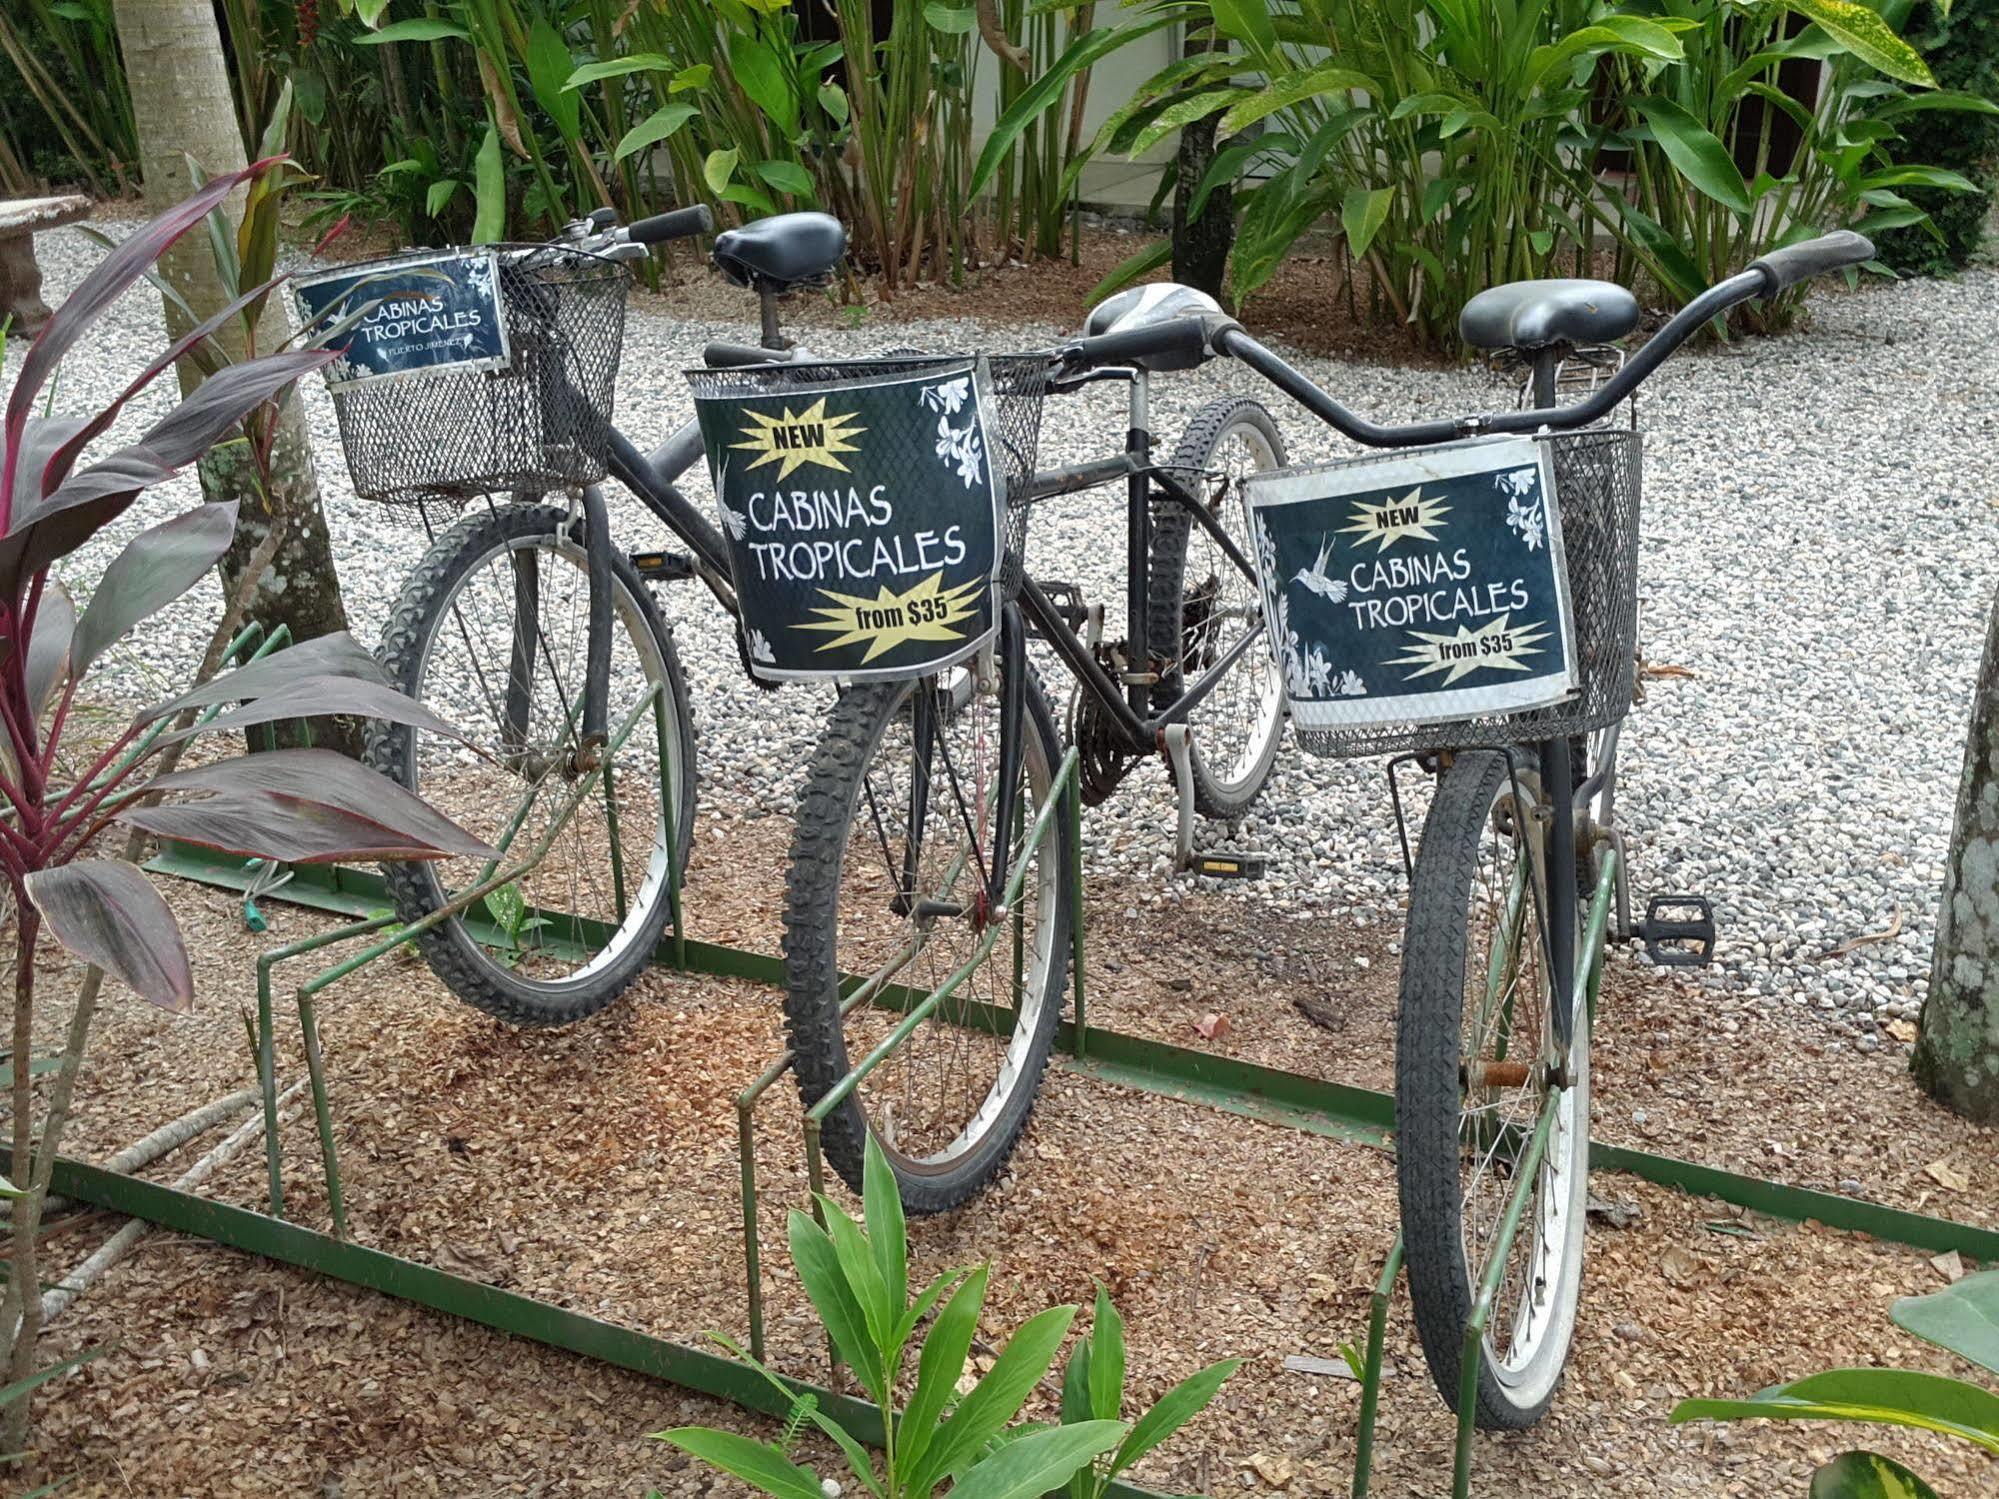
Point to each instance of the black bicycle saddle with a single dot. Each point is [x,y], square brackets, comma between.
[782,252]
[1534,314]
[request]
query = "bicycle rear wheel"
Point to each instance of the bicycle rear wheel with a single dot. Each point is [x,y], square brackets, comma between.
[1476,1058]
[1199,604]
[490,633]
[896,828]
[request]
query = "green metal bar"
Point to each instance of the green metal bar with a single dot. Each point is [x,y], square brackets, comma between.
[1317,1105]
[266,1039]
[1590,970]
[267,1081]
[1496,963]
[322,1111]
[1016,880]
[1075,818]
[1527,1170]
[617,849]
[461,901]
[672,817]
[694,1369]
[1370,1384]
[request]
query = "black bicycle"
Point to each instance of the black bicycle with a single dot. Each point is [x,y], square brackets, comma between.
[1516,880]
[528,627]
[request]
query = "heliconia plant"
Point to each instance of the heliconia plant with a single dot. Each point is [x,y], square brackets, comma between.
[299,805]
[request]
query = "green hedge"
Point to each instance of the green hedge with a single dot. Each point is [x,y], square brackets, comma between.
[1963,51]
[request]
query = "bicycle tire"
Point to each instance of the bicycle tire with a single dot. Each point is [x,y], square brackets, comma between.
[462,963]
[827,807]
[1217,794]
[1430,1108]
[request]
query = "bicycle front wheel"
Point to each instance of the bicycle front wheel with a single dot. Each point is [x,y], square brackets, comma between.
[894,841]
[1477,1058]
[1199,603]
[490,634]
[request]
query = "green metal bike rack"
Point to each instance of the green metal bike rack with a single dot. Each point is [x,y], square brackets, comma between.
[1291,1100]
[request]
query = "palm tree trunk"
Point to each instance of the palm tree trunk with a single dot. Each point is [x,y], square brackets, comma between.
[181,97]
[1956,1059]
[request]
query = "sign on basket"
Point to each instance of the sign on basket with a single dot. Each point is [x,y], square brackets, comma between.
[862,518]
[441,312]
[1416,588]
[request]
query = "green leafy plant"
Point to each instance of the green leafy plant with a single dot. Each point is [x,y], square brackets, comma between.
[1960,42]
[1714,184]
[1454,145]
[1093,1389]
[857,1279]
[1963,1318]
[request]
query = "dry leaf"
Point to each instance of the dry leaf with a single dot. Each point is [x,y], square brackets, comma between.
[1678,1264]
[1212,1026]
[1902,1030]
[1653,673]
[1944,1174]
[1949,1264]
[1887,934]
[1275,1471]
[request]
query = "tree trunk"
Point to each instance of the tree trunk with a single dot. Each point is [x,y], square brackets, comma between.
[180,95]
[1201,246]
[1956,1059]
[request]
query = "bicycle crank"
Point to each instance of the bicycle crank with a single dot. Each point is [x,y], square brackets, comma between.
[1219,864]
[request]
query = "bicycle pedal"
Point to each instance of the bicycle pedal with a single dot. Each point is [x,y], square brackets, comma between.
[1222,864]
[662,567]
[1678,931]
[1070,606]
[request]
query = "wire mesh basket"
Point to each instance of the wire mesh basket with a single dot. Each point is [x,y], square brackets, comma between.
[1596,473]
[536,422]
[1019,386]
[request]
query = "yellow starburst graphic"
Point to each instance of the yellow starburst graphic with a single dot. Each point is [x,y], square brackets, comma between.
[800,437]
[926,612]
[1493,645]
[1385,521]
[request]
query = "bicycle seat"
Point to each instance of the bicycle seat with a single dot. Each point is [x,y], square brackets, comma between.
[1534,314]
[1145,306]
[781,252]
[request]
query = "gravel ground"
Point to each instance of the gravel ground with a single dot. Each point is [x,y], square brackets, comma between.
[1816,563]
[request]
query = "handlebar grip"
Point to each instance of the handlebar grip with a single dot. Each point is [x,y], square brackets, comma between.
[680,223]
[728,356]
[1178,342]
[1812,257]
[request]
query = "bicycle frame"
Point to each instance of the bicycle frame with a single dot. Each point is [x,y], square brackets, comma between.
[1129,703]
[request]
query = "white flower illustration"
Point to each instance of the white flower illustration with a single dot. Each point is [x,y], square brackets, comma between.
[1351,685]
[760,647]
[1526,520]
[961,446]
[949,396]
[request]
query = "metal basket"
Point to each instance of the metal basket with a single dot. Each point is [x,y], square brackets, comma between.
[541,424]
[1596,485]
[1019,382]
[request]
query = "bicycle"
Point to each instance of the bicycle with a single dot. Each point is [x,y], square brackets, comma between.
[1519,862]
[891,872]
[530,577]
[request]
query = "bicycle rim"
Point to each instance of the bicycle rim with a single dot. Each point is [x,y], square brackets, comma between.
[503,660]
[914,909]
[1507,1044]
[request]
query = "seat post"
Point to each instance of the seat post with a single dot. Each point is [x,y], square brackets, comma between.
[767,306]
[1547,360]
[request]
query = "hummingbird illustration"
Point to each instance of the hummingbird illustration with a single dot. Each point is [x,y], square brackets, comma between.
[1333,590]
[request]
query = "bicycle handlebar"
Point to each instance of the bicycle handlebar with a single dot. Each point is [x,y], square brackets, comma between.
[1216,333]
[1814,257]
[678,223]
